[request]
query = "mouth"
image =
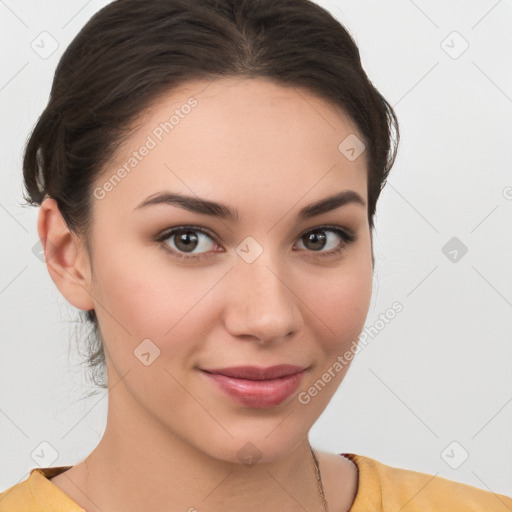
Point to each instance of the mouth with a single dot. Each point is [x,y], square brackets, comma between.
[257,387]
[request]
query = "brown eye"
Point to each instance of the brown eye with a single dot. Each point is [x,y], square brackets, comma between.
[327,237]
[187,242]
[315,240]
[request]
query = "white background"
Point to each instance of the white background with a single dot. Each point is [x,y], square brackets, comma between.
[441,370]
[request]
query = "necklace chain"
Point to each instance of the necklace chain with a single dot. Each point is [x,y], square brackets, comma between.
[319,480]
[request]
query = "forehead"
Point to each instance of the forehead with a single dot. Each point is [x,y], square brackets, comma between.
[237,137]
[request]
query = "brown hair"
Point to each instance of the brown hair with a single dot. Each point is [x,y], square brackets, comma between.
[130,52]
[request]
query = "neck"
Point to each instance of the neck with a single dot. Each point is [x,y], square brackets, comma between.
[140,465]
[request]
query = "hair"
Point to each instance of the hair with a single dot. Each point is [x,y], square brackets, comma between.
[131,52]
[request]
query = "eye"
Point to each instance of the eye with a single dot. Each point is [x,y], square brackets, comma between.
[325,237]
[183,241]
[194,243]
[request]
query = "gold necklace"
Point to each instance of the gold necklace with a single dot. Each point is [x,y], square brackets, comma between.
[319,480]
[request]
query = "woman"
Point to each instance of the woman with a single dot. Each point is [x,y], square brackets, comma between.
[207,174]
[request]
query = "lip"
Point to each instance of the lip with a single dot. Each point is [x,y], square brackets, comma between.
[258,387]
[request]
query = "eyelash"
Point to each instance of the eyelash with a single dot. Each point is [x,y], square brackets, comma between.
[347,237]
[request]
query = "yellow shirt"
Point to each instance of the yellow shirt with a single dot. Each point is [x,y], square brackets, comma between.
[381,488]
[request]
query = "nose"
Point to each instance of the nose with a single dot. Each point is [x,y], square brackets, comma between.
[261,304]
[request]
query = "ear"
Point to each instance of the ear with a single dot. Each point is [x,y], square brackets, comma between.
[66,257]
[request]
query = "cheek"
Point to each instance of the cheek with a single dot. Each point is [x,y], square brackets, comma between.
[339,313]
[140,296]
[340,302]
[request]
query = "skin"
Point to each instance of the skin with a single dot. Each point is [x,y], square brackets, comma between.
[170,433]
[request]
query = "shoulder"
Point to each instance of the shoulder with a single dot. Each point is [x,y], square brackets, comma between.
[37,493]
[18,497]
[387,488]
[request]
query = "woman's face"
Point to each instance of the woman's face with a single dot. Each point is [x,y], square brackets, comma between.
[248,289]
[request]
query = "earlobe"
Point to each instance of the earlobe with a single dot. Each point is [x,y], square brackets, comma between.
[66,258]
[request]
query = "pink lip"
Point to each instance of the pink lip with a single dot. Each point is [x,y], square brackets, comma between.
[258,387]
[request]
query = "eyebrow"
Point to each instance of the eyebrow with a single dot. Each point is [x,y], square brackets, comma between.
[214,209]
